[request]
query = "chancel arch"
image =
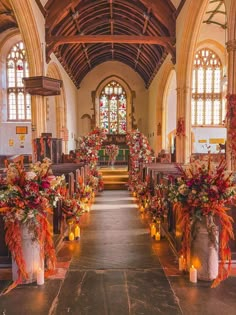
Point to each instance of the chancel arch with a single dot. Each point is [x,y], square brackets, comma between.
[114,95]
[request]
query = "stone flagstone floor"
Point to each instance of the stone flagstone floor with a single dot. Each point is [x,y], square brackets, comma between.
[117,269]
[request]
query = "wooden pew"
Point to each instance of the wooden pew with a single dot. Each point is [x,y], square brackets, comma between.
[18,159]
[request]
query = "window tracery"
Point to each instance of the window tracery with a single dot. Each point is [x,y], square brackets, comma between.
[208,107]
[112,108]
[19,102]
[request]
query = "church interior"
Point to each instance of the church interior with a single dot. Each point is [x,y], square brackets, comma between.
[117,157]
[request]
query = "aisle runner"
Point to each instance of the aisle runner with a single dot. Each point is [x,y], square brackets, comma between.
[114,269]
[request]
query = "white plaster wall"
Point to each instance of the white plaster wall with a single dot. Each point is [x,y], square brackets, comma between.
[71,101]
[8,133]
[212,32]
[8,129]
[171,105]
[176,3]
[98,74]
[205,134]
[51,115]
[153,117]
[156,104]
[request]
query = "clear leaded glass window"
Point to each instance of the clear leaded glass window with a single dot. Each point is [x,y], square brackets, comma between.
[112,108]
[19,102]
[207,105]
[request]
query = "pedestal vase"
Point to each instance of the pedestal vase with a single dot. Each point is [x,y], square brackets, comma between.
[204,248]
[31,255]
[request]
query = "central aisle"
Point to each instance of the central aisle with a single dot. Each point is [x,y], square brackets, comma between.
[114,269]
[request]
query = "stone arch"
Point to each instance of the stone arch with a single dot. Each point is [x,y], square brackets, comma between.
[60,104]
[187,36]
[28,29]
[169,111]
[30,36]
[215,46]
[9,40]
[130,95]
[161,104]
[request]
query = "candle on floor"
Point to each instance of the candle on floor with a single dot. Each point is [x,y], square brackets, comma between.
[193,274]
[141,208]
[40,276]
[71,236]
[153,230]
[158,236]
[77,231]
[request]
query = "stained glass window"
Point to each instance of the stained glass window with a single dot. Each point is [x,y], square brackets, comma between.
[112,108]
[19,102]
[207,104]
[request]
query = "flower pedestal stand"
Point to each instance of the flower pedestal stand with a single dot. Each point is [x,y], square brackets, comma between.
[204,249]
[31,255]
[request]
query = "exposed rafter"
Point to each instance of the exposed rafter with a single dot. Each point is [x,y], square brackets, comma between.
[83,34]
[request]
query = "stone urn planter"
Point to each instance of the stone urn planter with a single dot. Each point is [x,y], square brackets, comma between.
[204,249]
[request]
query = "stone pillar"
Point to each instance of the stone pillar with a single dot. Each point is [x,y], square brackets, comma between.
[183,129]
[38,116]
[231,106]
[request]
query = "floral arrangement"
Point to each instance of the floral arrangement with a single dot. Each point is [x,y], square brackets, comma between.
[180,130]
[26,198]
[72,209]
[140,152]
[95,179]
[204,190]
[89,146]
[158,204]
[112,151]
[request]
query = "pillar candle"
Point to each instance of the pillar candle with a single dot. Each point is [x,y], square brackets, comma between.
[193,274]
[77,231]
[141,209]
[40,276]
[71,236]
[158,236]
[153,230]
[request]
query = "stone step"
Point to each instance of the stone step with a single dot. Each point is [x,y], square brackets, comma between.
[114,179]
[115,186]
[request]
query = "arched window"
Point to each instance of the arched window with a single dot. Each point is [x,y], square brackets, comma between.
[19,102]
[112,108]
[207,104]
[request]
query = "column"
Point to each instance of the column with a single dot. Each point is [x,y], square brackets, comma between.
[38,112]
[183,127]
[231,106]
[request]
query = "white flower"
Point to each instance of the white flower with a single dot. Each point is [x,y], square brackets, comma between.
[30,175]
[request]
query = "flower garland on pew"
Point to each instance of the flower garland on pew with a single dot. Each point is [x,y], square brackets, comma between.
[26,198]
[75,206]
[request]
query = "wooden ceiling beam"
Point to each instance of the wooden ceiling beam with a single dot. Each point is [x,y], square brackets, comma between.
[55,41]
[164,12]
